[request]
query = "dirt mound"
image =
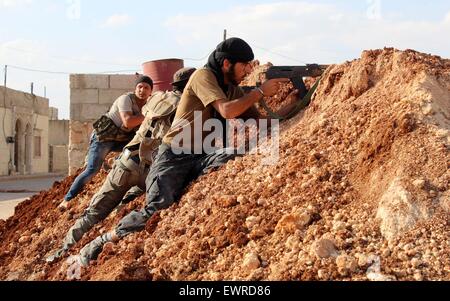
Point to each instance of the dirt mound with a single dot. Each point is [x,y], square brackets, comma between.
[360,191]
[37,228]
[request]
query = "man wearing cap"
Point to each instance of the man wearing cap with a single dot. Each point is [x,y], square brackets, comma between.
[126,114]
[133,164]
[212,92]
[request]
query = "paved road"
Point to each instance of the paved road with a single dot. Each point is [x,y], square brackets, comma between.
[24,188]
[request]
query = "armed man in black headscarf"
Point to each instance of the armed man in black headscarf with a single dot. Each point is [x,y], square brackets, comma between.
[211,94]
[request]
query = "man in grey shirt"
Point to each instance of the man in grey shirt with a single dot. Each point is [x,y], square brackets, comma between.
[126,104]
[126,114]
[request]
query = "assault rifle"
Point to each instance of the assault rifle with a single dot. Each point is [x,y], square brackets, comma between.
[296,75]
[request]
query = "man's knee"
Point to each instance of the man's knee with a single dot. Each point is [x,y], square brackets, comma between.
[97,211]
[93,168]
[90,218]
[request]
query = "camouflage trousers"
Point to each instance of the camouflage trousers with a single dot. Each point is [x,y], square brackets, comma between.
[125,174]
[169,175]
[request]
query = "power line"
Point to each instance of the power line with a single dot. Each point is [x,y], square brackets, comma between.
[65,58]
[226,34]
[123,71]
[39,71]
[116,64]
[66,73]
[276,53]
[279,54]
[116,71]
[88,61]
[197,60]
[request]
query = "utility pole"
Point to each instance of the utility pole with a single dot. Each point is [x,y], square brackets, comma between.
[6,72]
[32,86]
[224,34]
[45,92]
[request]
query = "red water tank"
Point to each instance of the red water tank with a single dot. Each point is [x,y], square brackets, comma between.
[161,71]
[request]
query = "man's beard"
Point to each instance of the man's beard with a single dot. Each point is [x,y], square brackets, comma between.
[231,75]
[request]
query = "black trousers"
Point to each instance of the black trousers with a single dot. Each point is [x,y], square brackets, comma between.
[169,175]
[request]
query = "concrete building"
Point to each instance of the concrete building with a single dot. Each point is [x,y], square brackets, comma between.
[30,143]
[90,97]
[24,133]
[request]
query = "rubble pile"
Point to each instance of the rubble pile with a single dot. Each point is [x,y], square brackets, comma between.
[360,192]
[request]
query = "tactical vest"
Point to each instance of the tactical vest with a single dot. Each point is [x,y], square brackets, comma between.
[158,112]
[107,130]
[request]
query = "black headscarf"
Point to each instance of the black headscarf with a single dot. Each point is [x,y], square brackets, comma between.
[233,49]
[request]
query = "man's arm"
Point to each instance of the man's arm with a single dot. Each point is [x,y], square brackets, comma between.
[130,121]
[234,108]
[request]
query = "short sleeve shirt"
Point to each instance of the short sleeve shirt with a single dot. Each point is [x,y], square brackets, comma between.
[125,103]
[195,106]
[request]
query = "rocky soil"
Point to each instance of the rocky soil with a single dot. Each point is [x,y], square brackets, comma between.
[360,192]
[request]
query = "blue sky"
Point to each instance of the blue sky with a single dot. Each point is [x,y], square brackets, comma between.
[80,36]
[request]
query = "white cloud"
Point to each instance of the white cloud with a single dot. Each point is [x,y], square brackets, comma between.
[447,18]
[308,32]
[117,21]
[14,3]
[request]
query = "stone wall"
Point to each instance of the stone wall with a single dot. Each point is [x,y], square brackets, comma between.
[91,96]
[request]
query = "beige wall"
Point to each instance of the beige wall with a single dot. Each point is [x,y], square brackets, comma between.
[91,96]
[15,98]
[58,132]
[40,164]
[58,146]
[31,112]
[52,113]
[6,130]
[58,158]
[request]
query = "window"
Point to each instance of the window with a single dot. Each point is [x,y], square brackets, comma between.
[37,146]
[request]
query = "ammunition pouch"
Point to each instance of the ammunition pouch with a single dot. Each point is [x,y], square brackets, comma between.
[107,130]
